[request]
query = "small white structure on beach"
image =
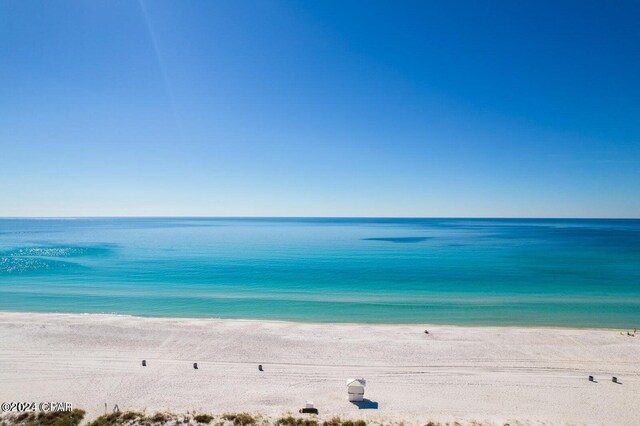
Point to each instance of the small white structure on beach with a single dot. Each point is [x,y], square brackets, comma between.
[355,389]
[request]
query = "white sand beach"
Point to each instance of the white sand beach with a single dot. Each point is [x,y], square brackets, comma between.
[489,374]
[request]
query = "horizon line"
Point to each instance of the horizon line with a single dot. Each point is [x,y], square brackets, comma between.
[320,217]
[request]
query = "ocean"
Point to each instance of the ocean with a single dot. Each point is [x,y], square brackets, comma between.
[515,272]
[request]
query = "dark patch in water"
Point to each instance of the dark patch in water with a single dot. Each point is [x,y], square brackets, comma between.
[398,239]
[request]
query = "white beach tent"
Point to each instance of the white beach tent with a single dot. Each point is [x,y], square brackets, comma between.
[355,389]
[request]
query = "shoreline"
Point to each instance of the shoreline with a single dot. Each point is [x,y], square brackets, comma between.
[320,323]
[492,374]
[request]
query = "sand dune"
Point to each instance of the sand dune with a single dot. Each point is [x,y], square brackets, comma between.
[489,374]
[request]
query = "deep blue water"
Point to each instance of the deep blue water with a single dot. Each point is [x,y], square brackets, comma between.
[582,273]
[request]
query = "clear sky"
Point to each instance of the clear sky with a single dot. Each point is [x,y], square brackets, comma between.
[320,108]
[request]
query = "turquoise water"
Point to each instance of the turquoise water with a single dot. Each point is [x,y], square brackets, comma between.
[581,273]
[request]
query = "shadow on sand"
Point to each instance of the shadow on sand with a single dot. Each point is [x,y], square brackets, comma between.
[365,404]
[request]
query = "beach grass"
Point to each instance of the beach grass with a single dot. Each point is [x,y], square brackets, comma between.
[337,421]
[239,419]
[203,418]
[135,418]
[53,418]
[293,421]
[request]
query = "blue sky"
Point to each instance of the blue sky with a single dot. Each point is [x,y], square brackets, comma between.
[320,108]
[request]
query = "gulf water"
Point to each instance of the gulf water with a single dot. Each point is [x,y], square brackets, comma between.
[527,272]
